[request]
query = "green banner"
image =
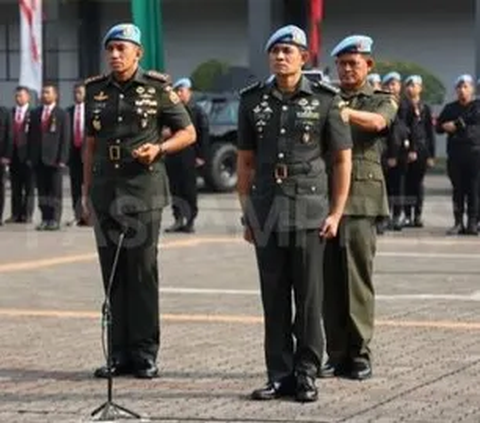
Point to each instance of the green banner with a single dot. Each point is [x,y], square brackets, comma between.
[147,15]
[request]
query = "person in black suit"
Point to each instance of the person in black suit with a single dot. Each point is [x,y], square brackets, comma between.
[5,153]
[21,173]
[48,148]
[76,114]
[182,166]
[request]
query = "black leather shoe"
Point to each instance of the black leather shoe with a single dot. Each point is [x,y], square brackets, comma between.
[52,226]
[146,369]
[331,369]
[418,222]
[42,226]
[118,369]
[306,390]
[274,390]
[176,227]
[361,369]
[471,228]
[397,224]
[188,229]
[458,229]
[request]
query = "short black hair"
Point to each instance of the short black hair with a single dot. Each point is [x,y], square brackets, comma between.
[51,85]
[22,88]
[79,84]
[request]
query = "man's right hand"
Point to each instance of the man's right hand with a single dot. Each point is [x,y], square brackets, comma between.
[392,162]
[449,127]
[248,235]
[412,156]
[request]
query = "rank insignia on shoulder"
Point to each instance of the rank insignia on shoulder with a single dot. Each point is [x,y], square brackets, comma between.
[326,86]
[95,78]
[174,98]
[251,87]
[162,77]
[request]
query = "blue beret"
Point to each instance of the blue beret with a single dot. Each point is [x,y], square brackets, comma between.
[123,32]
[414,79]
[289,34]
[374,78]
[353,44]
[464,79]
[391,76]
[182,83]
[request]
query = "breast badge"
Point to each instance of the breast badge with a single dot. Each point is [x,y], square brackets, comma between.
[96,124]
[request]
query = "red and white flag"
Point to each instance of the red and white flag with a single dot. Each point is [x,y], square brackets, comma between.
[31,62]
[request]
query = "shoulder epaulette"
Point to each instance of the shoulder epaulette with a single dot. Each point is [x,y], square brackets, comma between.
[326,86]
[95,78]
[162,77]
[250,87]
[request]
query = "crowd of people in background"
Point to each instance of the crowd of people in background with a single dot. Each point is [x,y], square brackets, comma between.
[410,151]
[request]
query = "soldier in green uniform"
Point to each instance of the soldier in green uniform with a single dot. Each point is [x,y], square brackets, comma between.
[286,126]
[349,292]
[126,182]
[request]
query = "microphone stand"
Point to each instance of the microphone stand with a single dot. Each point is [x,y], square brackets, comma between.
[109,410]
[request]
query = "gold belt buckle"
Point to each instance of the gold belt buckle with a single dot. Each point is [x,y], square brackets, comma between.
[114,152]
[281,171]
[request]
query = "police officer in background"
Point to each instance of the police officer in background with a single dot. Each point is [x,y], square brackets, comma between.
[6,147]
[286,126]
[375,81]
[125,179]
[417,116]
[391,162]
[349,292]
[182,166]
[460,120]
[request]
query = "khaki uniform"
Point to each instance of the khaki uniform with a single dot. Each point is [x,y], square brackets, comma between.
[128,196]
[349,292]
[288,202]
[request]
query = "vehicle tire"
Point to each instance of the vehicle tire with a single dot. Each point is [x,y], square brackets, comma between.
[221,172]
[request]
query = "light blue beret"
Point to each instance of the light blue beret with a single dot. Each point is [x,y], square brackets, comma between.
[123,32]
[374,78]
[289,34]
[182,83]
[353,44]
[464,79]
[391,76]
[414,79]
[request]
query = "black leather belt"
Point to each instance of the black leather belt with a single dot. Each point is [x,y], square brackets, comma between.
[114,153]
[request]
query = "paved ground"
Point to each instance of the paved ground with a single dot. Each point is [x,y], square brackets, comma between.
[427,343]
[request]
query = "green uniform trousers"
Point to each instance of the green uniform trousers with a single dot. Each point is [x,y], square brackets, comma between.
[292,262]
[349,293]
[134,292]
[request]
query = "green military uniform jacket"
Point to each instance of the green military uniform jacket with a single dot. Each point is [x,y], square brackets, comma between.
[368,194]
[121,117]
[289,135]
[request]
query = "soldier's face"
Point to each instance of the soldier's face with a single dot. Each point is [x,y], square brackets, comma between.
[79,94]
[353,68]
[22,97]
[286,59]
[394,86]
[413,90]
[49,95]
[122,55]
[465,91]
[185,94]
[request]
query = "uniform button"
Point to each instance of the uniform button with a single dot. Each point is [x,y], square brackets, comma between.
[370,175]
[281,155]
[120,118]
[117,165]
[283,130]
[284,108]
[279,181]
[121,96]
[117,141]
[150,168]
[314,189]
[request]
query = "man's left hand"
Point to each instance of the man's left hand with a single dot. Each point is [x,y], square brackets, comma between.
[4,161]
[330,227]
[430,162]
[147,153]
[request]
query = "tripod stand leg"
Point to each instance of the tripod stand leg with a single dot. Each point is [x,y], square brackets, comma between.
[110,411]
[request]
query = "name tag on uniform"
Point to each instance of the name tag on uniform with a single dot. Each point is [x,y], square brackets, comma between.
[305,114]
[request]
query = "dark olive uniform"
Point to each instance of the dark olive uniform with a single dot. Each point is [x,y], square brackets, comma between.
[129,196]
[349,292]
[289,135]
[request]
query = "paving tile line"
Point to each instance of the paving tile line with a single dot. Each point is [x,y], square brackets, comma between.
[199,241]
[352,417]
